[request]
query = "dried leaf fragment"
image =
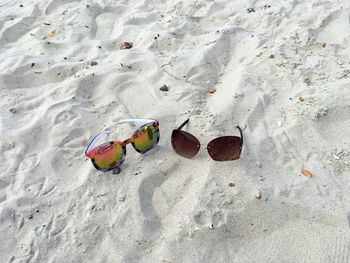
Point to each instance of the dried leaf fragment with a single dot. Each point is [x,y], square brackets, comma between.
[126,45]
[306,173]
[212,90]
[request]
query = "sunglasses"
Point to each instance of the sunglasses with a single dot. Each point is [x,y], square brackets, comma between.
[111,154]
[225,148]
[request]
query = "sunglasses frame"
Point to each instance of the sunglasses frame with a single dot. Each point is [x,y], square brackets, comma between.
[92,148]
[208,145]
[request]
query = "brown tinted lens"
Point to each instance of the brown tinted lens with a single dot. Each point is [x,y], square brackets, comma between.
[225,148]
[184,143]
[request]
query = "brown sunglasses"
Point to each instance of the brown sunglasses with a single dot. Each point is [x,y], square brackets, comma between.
[225,148]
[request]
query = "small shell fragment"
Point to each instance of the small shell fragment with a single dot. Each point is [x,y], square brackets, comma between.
[306,173]
[258,195]
[212,90]
[52,33]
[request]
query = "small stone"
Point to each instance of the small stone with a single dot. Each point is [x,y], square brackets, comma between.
[126,45]
[21,5]
[250,10]
[272,56]
[231,184]
[32,65]
[30,217]
[13,110]
[258,195]
[212,90]
[323,45]
[122,198]
[164,88]
[93,63]
[301,99]
[212,227]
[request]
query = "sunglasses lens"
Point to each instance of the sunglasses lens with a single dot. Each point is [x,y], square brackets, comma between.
[108,156]
[225,148]
[146,138]
[184,143]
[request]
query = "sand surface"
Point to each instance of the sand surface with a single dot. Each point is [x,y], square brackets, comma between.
[281,70]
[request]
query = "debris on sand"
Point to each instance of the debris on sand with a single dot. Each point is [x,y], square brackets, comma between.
[250,10]
[52,33]
[212,90]
[258,195]
[126,45]
[164,88]
[306,173]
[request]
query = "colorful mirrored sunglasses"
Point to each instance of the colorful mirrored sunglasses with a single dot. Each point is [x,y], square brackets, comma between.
[110,155]
[225,148]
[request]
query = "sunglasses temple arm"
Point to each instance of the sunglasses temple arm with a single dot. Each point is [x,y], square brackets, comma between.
[94,141]
[240,131]
[182,125]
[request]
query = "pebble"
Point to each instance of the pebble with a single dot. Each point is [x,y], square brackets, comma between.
[231,184]
[126,45]
[93,63]
[13,110]
[258,195]
[250,10]
[212,90]
[164,88]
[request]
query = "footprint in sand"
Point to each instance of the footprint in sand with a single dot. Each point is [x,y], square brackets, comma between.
[335,28]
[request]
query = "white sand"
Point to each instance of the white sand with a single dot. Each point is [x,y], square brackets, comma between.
[55,207]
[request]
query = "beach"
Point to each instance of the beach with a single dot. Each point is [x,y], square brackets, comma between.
[278,69]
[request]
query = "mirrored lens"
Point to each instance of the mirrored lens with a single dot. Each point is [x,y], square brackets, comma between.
[225,148]
[146,138]
[184,143]
[108,155]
